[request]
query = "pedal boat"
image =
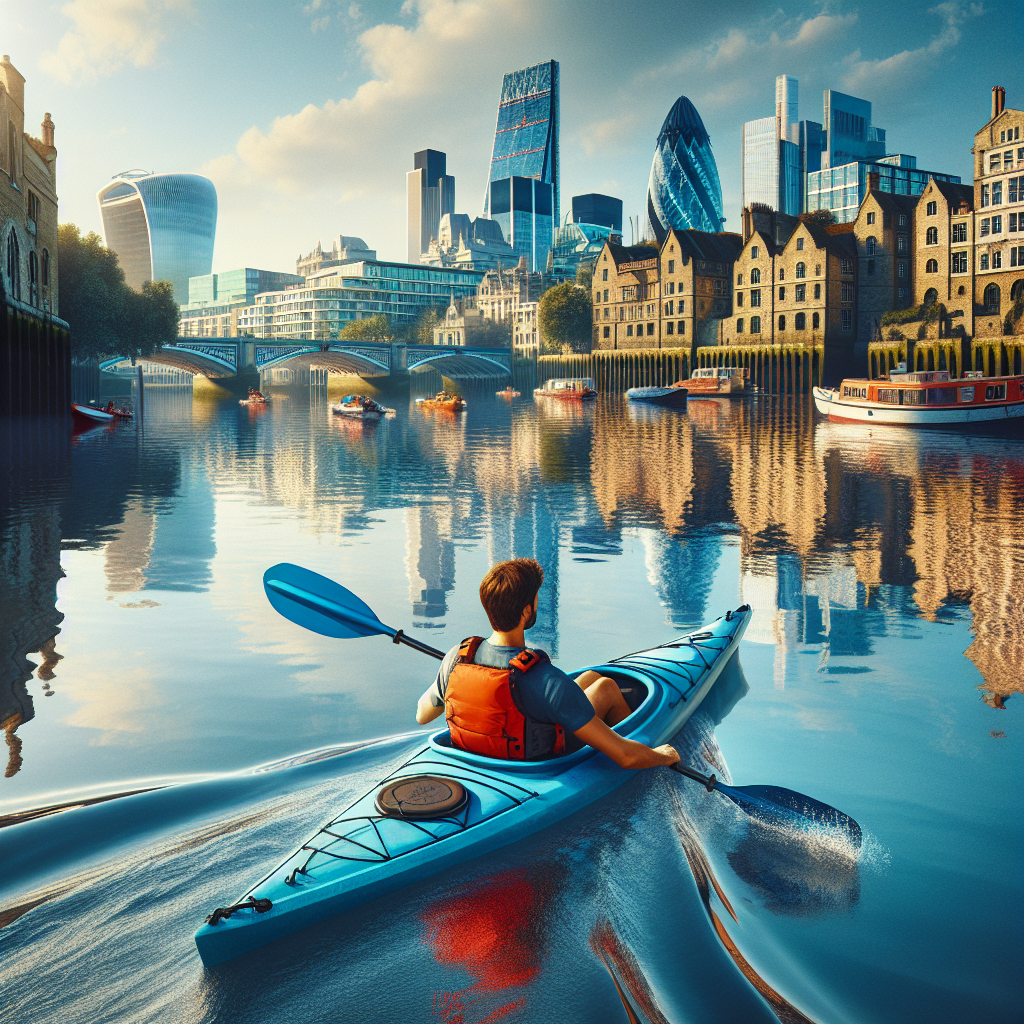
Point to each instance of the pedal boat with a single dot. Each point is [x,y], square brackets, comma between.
[367,851]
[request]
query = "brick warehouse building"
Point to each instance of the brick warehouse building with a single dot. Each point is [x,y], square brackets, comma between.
[35,354]
[669,297]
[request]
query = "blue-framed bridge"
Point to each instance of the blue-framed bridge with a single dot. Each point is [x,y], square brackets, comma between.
[220,358]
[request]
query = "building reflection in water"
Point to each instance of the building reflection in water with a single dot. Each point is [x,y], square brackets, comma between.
[430,562]
[36,461]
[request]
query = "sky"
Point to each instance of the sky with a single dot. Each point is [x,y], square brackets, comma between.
[306,113]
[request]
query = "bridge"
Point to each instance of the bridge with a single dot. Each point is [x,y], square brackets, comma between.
[222,358]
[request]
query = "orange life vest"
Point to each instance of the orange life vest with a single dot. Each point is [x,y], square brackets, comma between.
[485,714]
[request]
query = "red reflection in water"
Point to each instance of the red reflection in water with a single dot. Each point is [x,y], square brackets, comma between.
[492,931]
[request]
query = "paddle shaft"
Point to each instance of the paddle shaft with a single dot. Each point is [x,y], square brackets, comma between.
[350,616]
[709,782]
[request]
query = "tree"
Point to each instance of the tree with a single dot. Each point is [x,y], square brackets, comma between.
[824,218]
[375,329]
[423,330]
[585,276]
[565,317]
[105,315]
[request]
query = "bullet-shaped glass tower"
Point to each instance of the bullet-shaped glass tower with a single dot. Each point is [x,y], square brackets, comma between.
[161,226]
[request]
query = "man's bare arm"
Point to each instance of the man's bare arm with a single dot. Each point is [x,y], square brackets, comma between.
[425,709]
[624,752]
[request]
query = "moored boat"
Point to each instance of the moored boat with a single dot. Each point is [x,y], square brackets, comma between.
[925,399]
[508,393]
[254,401]
[571,388]
[468,805]
[359,407]
[444,401]
[90,416]
[672,396]
[717,382]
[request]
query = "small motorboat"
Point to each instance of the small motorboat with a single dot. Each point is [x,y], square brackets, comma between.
[717,382]
[580,389]
[445,806]
[254,401]
[91,416]
[359,407]
[508,393]
[672,396]
[925,399]
[443,400]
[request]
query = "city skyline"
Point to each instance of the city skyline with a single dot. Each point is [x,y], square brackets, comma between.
[268,157]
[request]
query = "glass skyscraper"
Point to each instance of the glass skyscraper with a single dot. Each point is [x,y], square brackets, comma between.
[684,190]
[522,190]
[161,226]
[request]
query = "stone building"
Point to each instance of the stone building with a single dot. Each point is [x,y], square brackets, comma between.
[998,152]
[344,249]
[944,224]
[799,296]
[513,297]
[34,344]
[883,232]
[669,297]
[463,325]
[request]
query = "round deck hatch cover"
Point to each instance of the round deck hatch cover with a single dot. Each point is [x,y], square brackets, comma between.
[422,796]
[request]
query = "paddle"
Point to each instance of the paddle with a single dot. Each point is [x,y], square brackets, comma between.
[323,606]
[778,806]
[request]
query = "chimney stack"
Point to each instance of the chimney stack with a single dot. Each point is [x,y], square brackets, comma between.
[48,127]
[998,101]
[873,181]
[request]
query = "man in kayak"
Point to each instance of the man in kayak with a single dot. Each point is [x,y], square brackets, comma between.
[504,700]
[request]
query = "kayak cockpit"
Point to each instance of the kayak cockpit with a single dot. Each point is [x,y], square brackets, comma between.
[635,689]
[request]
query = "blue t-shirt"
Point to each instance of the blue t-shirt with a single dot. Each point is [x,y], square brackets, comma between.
[546,693]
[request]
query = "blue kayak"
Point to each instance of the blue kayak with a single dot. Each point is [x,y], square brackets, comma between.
[385,840]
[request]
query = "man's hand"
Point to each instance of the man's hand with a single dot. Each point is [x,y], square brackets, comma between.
[624,752]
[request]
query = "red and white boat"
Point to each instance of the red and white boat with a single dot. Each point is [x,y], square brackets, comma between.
[717,382]
[90,416]
[574,388]
[925,399]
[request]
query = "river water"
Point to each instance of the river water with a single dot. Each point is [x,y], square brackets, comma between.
[881,673]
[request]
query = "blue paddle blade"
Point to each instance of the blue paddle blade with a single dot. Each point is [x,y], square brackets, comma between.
[775,804]
[319,604]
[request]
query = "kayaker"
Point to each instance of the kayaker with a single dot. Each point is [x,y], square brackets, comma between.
[506,700]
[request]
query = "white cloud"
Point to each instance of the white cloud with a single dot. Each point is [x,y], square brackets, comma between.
[108,34]
[894,72]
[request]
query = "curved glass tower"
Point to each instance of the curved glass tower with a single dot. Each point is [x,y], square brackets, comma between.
[684,191]
[161,226]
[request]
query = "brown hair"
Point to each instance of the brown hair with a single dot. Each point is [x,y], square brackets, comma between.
[507,589]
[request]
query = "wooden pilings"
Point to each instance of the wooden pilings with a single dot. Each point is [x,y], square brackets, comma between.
[775,369]
[613,371]
[35,364]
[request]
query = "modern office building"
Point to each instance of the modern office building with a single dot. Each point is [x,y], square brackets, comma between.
[326,301]
[684,190]
[594,208]
[842,188]
[161,226]
[430,194]
[215,300]
[523,184]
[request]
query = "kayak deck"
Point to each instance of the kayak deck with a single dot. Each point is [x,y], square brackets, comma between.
[362,853]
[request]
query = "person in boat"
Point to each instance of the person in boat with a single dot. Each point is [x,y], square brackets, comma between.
[506,700]
[110,407]
[256,396]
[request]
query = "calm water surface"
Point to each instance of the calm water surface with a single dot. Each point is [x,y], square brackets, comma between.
[881,673]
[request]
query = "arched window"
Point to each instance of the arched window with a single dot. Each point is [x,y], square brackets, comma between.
[739,326]
[44,266]
[869,245]
[739,279]
[801,322]
[33,279]
[815,321]
[931,297]
[755,276]
[931,267]
[14,265]
[801,270]
[817,270]
[755,325]
[932,236]
[992,298]
[782,323]
[1016,290]
[961,290]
